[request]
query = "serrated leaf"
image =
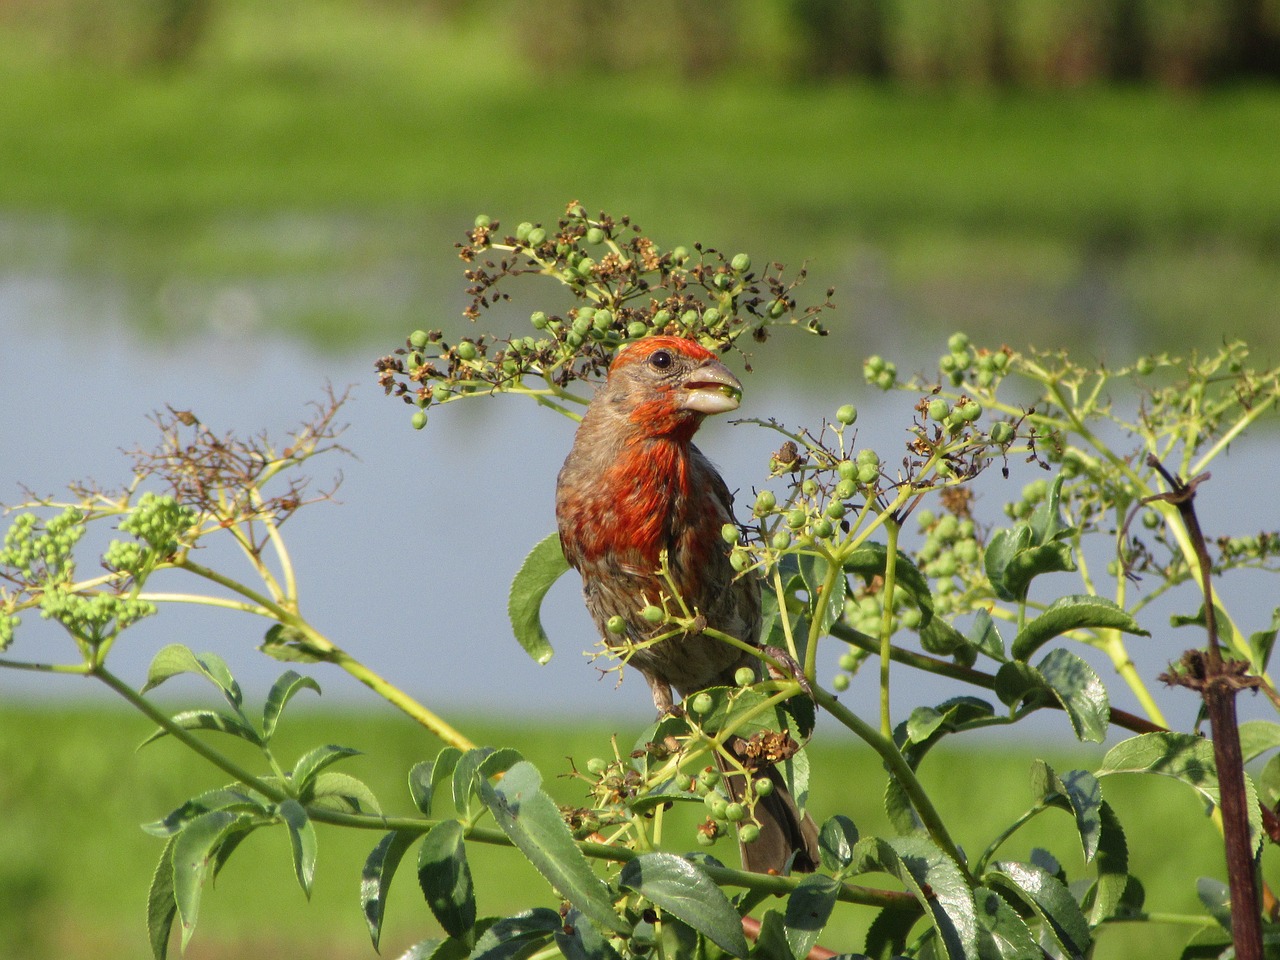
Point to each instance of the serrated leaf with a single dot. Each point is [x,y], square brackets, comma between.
[1046,521]
[922,866]
[194,853]
[985,635]
[681,889]
[375,879]
[499,761]
[808,909]
[1257,737]
[1184,757]
[228,798]
[532,820]
[175,659]
[578,939]
[161,906]
[442,770]
[871,559]
[313,761]
[338,791]
[282,691]
[208,720]
[771,940]
[1078,792]
[941,638]
[1068,679]
[1075,612]
[1049,898]
[544,565]
[302,841]
[1002,934]
[899,809]
[1216,897]
[445,878]
[836,841]
[515,937]
[928,725]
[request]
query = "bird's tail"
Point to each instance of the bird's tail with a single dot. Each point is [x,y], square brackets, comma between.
[788,838]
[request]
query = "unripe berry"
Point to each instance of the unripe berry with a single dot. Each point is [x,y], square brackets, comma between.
[702,704]
[662,318]
[710,776]
[466,350]
[523,231]
[741,263]
[689,317]
[419,420]
[840,682]
[796,519]
[734,812]
[637,329]
[764,787]
[716,805]
[822,529]
[744,676]
[653,614]
[483,221]
[868,472]
[595,235]
[1145,366]
[765,502]
[537,236]
[705,839]
[616,625]
[847,469]
[848,661]
[958,342]
[679,255]
[749,833]
[1001,432]
[845,489]
[938,409]
[710,315]
[418,339]
[596,766]
[835,510]
[782,539]
[847,414]
[439,393]
[868,456]
[729,533]
[809,487]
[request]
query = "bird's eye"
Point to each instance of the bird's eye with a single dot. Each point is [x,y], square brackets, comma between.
[660,359]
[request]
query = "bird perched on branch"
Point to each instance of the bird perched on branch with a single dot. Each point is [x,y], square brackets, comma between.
[635,487]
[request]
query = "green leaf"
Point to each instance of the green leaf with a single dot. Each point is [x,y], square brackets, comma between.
[175,659]
[442,770]
[814,570]
[194,853]
[1046,522]
[578,939]
[1049,898]
[1068,679]
[1184,757]
[1078,792]
[313,761]
[984,635]
[1257,737]
[532,820]
[420,787]
[375,878]
[771,940]
[899,809]
[1018,554]
[228,798]
[928,725]
[445,878]
[1262,643]
[941,638]
[684,891]
[729,704]
[808,909]
[302,840]
[466,776]
[337,791]
[1112,863]
[282,691]
[887,935]
[291,645]
[512,938]
[922,866]
[870,560]
[544,565]
[836,841]
[1002,934]
[208,720]
[161,906]
[437,949]
[1075,612]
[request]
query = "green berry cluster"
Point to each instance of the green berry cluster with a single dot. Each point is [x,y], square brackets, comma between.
[626,287]
[93,617]
[43,553]
[722,810]
[951,556]
[880,372]
[962,362]
[160,521]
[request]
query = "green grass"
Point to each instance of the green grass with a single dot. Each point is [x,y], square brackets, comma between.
[74,867]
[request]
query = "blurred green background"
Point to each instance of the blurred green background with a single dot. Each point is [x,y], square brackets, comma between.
[1100,174]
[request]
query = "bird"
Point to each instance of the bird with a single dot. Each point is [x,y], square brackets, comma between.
[634,491]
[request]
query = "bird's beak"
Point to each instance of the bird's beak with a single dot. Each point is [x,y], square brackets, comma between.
[711,389]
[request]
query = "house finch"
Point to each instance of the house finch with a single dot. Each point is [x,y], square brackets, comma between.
[633,486]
